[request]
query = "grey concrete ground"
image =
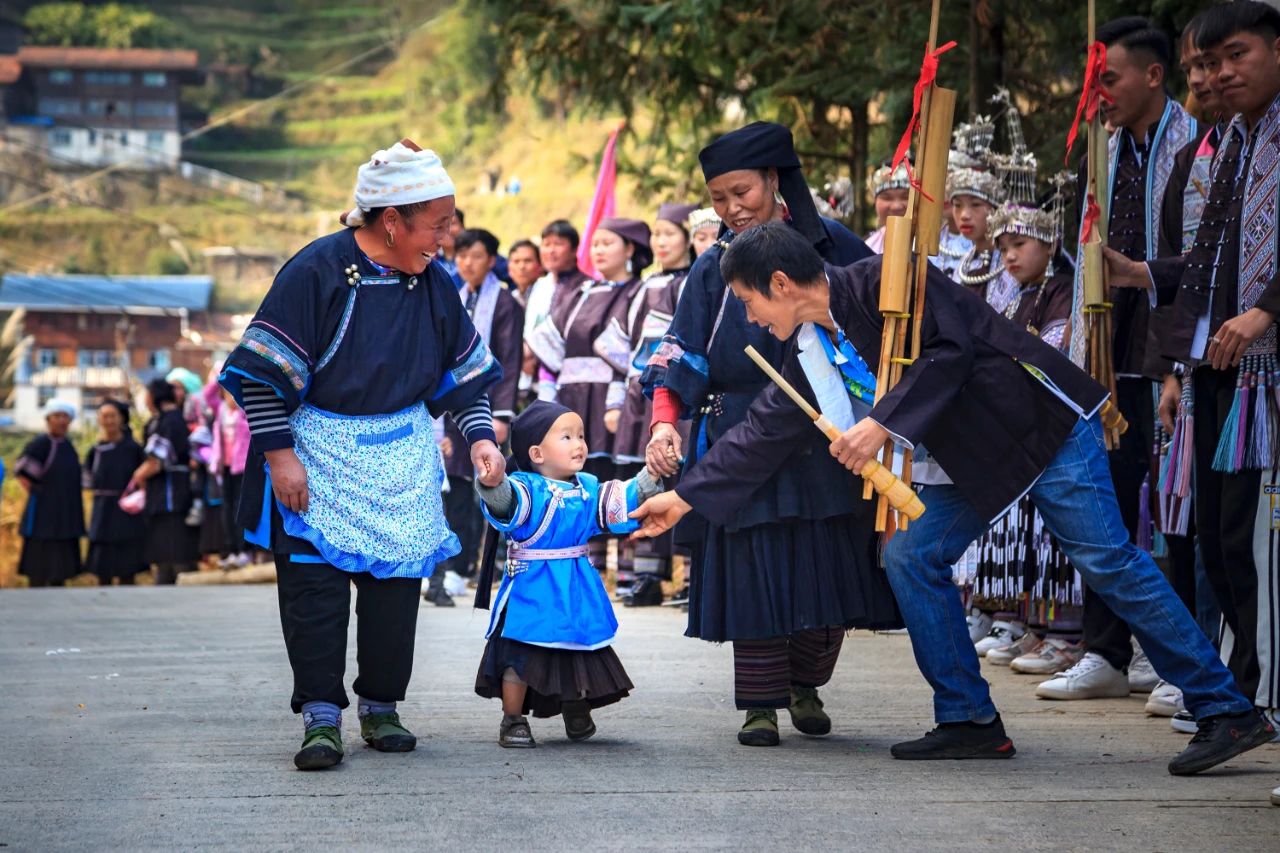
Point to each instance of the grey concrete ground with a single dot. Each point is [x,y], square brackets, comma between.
[163,724]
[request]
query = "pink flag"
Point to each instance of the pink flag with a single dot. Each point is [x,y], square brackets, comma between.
[603,204]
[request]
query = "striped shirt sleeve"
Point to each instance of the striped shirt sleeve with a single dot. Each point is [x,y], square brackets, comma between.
[475,421]
[268,420]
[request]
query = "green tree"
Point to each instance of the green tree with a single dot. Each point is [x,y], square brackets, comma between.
[839,72]
[58,24]
[116,25]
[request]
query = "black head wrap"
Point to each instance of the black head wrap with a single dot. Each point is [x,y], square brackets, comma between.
[530,427]
[634,232]
[765,145]
[123,408]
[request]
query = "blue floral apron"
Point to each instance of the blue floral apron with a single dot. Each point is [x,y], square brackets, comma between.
[374,485]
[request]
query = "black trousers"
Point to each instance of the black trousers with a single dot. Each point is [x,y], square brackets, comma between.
[1105,633]
[1225,505]
[462,511]
[315,608]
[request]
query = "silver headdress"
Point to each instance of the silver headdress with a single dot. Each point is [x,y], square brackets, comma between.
[1017,169]
[1043,223]
[971,160]
[887,178]
[703,217]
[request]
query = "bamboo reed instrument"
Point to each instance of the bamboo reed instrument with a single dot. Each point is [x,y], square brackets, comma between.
[910,240]
[897,493]
[1100,358]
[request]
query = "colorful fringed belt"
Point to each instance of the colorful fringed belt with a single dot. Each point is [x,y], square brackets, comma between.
[1248,439]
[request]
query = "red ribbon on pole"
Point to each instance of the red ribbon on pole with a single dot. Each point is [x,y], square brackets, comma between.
[1093,92]
[1092,215]
[928,74]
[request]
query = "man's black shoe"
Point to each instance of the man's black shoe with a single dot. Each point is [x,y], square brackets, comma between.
[958,740]
[1221,738]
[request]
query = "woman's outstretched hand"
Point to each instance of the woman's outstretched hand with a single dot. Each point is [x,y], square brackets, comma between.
[659,514]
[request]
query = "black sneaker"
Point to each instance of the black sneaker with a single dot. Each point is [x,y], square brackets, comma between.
[1220,739]
[438,597]
[958,740]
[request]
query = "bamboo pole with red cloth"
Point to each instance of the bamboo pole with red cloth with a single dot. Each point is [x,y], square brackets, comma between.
[1099,355]
[910,240]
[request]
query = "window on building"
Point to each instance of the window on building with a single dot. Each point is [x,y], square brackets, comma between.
[155,109]
[61,77]
[159,360]
[46,358]
[60,138]
[59,106]
[108,108]
[93,137]
[108,78]
[86,358]
[154,78]
[155,139]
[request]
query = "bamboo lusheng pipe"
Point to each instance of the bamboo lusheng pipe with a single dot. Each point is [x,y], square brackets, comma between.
[897,493]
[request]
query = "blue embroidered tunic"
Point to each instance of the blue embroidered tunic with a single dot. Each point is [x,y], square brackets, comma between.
[559,602]
[362,358]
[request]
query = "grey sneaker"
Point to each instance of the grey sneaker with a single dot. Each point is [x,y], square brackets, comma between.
[1027,644]
[1051,657]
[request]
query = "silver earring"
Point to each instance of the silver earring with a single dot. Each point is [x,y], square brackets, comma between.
[628,265]
[778,199]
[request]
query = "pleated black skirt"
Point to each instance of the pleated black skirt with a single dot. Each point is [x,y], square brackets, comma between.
[109,560]
[169,540]
[553,676]
[772,580]
[49,562]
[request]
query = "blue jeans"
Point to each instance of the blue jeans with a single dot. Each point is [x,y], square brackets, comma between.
[1078,503]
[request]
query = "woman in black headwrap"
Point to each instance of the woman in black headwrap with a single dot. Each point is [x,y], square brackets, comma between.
[798,566]
[115,536]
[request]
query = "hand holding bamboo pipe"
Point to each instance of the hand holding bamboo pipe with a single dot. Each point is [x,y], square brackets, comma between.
[900,496]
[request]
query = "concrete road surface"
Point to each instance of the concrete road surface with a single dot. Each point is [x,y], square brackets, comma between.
[158,718]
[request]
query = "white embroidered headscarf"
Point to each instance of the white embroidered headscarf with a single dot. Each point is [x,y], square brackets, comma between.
[401,174]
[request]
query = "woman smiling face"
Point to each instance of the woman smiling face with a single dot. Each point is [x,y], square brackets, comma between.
[745,197]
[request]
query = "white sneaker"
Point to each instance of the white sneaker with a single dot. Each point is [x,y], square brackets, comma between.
[1092,678]
[1165,700]
[1183,722]
[1052,656]
[1142,675]
[1275,796]
[979,625]
[1002,633]
[1027,644]
[1273,716]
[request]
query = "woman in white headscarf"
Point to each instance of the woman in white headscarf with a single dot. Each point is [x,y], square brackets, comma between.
[53,521]
[359,343]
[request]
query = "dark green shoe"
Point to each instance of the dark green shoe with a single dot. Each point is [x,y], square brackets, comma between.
[383,732]
[760,729]
[806,712]
[321,749]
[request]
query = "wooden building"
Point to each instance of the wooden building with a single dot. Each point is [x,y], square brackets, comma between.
[83,337]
